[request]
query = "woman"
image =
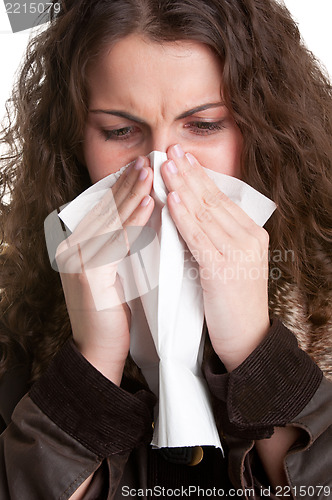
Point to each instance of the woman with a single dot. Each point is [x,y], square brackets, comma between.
[223,84]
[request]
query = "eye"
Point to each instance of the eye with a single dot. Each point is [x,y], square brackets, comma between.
[119,134]
[205,128]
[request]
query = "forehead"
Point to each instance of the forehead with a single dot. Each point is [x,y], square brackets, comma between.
[137,72]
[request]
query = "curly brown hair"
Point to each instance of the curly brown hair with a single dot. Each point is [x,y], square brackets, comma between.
[276,90]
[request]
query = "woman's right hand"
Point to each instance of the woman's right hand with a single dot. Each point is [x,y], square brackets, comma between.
[88,261]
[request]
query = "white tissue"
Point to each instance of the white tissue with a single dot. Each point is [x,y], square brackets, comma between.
[162,287]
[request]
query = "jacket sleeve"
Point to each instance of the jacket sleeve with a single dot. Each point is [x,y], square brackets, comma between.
[277,385]
[63,431]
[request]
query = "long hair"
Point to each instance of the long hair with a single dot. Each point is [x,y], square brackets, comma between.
[273,86]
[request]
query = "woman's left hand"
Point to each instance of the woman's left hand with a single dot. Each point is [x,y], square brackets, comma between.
[232,253]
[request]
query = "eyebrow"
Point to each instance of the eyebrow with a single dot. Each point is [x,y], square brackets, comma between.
[128,116]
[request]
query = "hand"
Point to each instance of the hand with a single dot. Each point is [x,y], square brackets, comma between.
[232,253]
[88,261]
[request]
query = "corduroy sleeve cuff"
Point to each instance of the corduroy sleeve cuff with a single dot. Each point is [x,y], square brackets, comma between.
[267,390]
[86,405]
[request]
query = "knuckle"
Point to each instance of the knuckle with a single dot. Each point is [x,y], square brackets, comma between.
[198,237]
[105,205]
[100,209]
[118,243]
[203,215]
[135,220]
[127,183]
[187,171]
[113,219]
[132,196]
[214,199]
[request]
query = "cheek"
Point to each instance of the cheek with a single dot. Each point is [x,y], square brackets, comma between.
[232,153]
[222,155]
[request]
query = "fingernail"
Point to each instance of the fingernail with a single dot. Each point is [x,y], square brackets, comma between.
[143,174]
[145,201]
[191,159]
[139,163]
[171,167]
[176,197]
[178,151]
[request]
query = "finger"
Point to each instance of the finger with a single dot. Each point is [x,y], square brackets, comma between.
[100,235]
[128,178]
[130,197]
[199,243]
[114,208]
[106,248]
[77,258]
[112,247]
[203,198]
[107,210]
[235,210]
[142,213]
[207,204]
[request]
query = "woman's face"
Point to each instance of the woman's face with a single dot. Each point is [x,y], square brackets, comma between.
[146,96]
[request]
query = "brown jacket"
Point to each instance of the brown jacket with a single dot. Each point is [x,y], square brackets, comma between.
[73,422]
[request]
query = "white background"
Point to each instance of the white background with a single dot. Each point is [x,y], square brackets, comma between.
[313,16]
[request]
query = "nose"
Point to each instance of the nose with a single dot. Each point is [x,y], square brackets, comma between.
[160,140]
